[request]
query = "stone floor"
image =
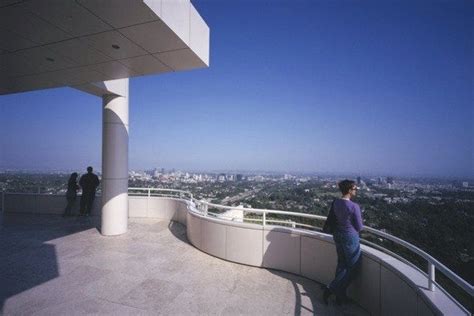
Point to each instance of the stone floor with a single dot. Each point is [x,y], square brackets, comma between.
[51,265]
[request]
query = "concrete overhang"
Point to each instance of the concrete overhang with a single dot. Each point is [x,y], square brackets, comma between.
[54,43]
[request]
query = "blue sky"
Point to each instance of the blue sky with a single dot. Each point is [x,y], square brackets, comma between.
[322,86]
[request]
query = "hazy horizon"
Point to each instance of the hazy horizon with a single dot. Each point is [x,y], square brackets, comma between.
[252,172]
[301,86]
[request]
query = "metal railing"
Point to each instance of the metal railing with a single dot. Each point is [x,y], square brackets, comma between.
[30,189]
[433,264]
[157,192]
[265,219]
[3,201]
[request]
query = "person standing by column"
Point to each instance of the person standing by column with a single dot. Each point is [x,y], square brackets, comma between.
[348,224]
[89,183]
[71,193]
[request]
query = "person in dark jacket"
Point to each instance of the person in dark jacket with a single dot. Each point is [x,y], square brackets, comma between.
[89,183]
[347,223]
[71,193]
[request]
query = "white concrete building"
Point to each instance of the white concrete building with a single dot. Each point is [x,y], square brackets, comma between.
[96,46]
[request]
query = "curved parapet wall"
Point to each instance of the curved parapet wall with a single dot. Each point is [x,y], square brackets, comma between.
[385,285]
[172,209]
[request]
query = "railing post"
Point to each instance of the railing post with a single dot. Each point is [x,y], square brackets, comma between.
[431,276]
[148,202]
[264,218]
[205,209]
[3,201]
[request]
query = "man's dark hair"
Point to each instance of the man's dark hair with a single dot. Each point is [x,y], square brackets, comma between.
[89,169]
[346,185]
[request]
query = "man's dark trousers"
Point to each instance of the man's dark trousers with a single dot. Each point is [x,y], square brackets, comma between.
[87,200]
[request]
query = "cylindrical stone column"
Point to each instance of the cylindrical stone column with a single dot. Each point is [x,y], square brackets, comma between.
[115,162]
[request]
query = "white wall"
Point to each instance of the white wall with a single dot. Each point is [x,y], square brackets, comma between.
[171,209]
[384,286]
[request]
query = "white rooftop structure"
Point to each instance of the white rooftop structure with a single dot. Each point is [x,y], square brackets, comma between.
[55,43]
[95,46]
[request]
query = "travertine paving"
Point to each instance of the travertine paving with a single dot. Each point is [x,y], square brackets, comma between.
[51,265]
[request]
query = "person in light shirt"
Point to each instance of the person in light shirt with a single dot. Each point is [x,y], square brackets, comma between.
[346,220]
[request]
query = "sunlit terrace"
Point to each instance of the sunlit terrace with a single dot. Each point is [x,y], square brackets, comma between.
[185,256]
[56,266]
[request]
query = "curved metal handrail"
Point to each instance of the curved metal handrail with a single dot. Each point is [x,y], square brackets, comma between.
[150,190]
[262,211]
[432,262]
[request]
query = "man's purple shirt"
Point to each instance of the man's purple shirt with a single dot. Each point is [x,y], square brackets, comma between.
[348,215]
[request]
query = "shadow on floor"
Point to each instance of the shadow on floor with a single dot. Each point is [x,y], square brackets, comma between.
[26,259]
[308,294]
[179,231]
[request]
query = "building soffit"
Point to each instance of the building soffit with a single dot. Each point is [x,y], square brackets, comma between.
[54,43]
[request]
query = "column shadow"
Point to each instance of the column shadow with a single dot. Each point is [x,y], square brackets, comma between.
[26,259]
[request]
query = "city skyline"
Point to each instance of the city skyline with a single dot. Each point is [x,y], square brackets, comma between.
[299,87]
[273,173]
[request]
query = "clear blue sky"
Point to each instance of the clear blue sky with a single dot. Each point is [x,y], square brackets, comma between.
[324,86]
